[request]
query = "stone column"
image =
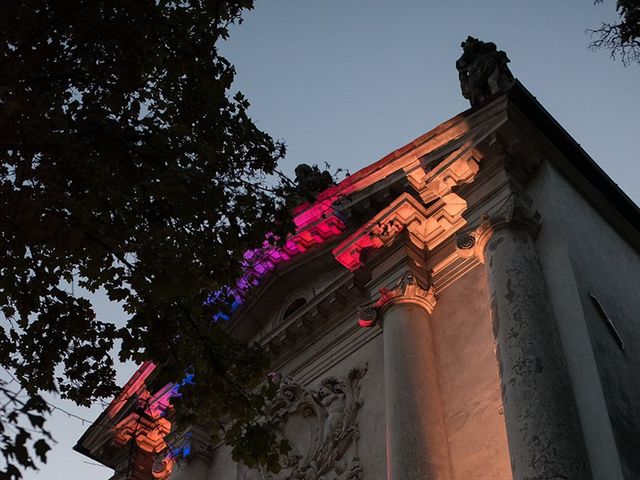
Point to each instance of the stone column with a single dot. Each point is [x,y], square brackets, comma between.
[417,447]
[543,430]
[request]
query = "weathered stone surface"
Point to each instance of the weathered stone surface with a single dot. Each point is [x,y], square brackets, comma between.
[543,430]
[483,70]
[414,417]
[581,254]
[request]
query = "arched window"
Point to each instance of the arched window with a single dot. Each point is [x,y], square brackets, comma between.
[294,306]
[294,302]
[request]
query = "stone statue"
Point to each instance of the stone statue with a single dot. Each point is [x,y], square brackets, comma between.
[333,400]
[482,70]
[309,182]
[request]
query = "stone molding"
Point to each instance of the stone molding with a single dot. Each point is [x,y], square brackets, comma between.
[407,290]
[515,212]
[297,329]
[426,228]
[182,447]
[143,426]
[429,155]
[458,168]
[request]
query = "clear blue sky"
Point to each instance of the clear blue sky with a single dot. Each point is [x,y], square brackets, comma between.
[349,81]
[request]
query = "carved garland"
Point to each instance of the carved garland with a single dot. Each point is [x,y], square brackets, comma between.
[331,412]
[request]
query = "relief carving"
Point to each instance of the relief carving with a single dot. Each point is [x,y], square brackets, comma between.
[320,425]
[517,210]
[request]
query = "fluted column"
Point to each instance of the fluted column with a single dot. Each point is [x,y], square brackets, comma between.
[415,434]
[544,435]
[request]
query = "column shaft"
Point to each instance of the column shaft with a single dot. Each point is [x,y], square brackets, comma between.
[544,436]
[416,441]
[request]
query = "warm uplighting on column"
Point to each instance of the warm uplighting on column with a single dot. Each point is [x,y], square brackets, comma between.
[413,404]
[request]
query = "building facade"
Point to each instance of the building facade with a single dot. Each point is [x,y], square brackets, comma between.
[465,308]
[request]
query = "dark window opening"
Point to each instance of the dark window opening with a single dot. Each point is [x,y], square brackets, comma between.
[293,306]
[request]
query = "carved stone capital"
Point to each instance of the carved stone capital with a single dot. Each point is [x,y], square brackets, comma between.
[524,163]
[515,212]
[367,315]
[182,447]
[407,290]
[162,465]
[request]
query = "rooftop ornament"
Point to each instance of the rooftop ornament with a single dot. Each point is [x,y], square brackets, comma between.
[482,70]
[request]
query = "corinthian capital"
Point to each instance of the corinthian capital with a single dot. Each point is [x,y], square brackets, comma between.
[407,290]
[516,211]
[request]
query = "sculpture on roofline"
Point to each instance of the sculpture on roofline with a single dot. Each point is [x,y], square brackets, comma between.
[309,182]
[482,70]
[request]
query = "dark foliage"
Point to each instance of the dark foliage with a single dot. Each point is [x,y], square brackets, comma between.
[127,167]
[622,39]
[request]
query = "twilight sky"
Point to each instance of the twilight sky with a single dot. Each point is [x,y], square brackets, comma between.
[348,81]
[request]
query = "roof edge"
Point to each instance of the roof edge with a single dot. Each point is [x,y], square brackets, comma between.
[577,157]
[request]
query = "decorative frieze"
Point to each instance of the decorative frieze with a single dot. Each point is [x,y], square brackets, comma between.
[331,410]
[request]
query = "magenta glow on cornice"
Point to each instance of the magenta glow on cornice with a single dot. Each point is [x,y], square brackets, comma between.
[310,231]
[314,224]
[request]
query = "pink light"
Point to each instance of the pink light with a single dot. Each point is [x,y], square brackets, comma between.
[352,258]
[313,226]
[365,323]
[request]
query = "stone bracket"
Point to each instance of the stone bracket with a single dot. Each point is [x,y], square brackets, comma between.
[426,228]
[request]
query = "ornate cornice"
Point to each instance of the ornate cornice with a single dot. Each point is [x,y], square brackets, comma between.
[441,180]
[407,290]
[192,443]
[297,329]
[426,228]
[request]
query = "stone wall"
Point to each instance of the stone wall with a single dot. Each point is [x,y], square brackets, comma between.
[582,255]
[469,380]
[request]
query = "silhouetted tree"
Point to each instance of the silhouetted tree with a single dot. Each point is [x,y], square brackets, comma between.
[126,166]
[622,39]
